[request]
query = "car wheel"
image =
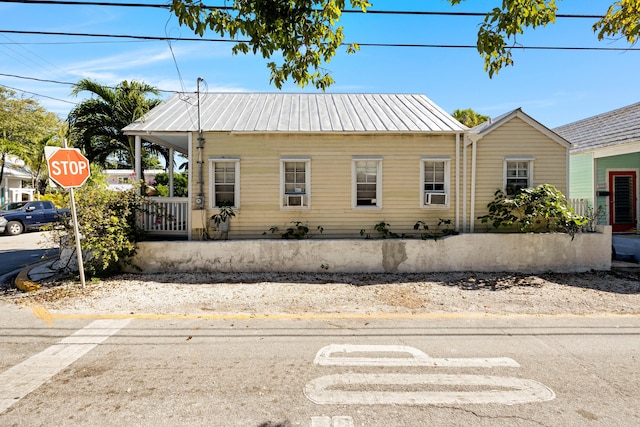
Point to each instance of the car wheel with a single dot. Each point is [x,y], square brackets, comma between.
[14,228]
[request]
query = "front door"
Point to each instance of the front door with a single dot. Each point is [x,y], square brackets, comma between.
[622,200]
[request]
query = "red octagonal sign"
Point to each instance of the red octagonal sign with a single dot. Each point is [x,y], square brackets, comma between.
[68,167]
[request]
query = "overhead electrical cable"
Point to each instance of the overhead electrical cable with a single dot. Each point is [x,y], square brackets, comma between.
[410,45]
[357,11]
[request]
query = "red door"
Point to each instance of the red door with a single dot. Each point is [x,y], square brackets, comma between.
[622,200]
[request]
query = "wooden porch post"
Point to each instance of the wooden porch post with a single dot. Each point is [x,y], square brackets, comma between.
[138,158]
[171,153]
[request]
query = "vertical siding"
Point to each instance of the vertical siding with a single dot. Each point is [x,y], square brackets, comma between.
[331,157]
[581,177]
[515,138]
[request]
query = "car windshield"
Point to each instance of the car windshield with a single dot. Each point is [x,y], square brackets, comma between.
[13,206]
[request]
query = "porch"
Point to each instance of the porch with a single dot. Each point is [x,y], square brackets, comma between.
[166,217]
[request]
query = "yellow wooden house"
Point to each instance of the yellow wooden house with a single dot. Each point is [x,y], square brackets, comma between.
[343,162]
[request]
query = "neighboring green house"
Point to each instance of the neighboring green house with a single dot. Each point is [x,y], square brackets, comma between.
[604,164]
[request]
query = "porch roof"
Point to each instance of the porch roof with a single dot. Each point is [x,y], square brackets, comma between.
[293,112]
[604,130]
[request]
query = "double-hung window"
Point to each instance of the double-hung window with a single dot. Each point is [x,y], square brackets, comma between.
[367,182]
[295,183]
[435,182]
[518,174]
[224,182]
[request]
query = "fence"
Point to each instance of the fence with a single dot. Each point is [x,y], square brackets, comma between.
[581,206]
[165,215]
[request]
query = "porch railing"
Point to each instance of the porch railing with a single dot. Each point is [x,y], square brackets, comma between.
[165,215]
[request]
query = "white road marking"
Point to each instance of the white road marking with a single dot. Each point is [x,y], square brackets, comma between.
[487,389]
[326,357]
[331,422]
[22,379]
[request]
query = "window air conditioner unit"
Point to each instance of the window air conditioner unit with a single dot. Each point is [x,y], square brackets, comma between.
[435,198]
[295,199]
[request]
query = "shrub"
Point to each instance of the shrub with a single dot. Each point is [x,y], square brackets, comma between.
[439,231]
[299,230]
[541,209]
[107,222]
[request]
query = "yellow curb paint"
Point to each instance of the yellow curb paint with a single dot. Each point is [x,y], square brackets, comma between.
[24,284]
[326,316]
[42,313]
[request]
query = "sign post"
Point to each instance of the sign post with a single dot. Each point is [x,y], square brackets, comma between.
[69,168]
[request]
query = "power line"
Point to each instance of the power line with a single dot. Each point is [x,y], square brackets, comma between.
[407,45]
[39,94]
[15,76]
[356,11]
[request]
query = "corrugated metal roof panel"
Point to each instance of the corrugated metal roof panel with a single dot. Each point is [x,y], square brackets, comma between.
[291,112]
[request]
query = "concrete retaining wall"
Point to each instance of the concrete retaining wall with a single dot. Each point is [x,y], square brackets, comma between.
[524,253]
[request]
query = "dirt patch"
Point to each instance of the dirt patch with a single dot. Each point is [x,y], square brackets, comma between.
[594,293]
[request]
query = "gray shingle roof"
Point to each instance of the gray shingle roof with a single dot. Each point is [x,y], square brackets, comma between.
[292,112]
[615,127]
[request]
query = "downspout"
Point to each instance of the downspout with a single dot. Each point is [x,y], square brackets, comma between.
[465,183]
[473,188]
[189,184]
[200,197]
[457,226]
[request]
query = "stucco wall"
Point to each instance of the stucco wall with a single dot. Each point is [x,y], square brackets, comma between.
[524,253]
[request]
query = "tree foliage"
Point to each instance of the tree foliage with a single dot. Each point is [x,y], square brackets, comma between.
[25,128]
[304,32]
[542,209]
[96,124]
[180,184]
[469,118]
[307,35]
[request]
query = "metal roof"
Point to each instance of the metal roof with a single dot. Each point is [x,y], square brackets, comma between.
[603,130]
[296,112]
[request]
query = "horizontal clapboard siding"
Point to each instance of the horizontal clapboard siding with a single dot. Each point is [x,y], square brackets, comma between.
[331,176]
[516,139]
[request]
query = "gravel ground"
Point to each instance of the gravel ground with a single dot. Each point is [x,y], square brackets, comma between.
[594,293]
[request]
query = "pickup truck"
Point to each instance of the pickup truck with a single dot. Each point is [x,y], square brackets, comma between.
[20,216]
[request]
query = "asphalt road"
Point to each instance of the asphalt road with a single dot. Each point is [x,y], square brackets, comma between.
[317,372]
[84,370]
[17,252]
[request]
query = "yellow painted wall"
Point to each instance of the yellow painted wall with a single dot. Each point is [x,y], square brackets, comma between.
[331,181]
[515,138]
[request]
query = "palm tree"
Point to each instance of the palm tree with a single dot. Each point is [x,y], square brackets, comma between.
[469,118]
[96,124]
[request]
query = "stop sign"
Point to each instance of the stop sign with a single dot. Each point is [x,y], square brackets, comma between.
[68,167]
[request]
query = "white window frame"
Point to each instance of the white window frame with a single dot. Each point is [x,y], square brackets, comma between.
[424,194]
[212,178]
[528,160]
[306,194]
[354,182]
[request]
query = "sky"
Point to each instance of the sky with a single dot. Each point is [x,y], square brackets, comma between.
[555,87]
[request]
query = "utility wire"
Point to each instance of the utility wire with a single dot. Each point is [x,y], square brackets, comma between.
[15,76]
[38,94]
[411,45]
[356,11]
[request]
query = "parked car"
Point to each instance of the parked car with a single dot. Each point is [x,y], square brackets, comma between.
[20,216]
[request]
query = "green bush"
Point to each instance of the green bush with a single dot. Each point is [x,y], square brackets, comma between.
[299,230]
[541,209]
[107,221]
